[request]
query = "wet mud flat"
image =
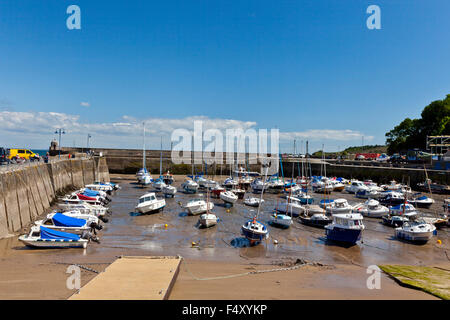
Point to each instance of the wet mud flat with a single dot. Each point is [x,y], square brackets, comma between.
[31,272]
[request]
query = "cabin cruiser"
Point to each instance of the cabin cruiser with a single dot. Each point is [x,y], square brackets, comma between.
[85,208]
[281,220]
[318,220]
[148,203]
[339,206]
[391,198]
[337,185]
[323,187]
[345,228]
[324,203]
[60,222]
[275,184]
[198,206]
[421,201]
[43,237]
[253,202]
[228,197]
[356,186]
[371,208]
[373,186]
[190,186]
[416,231]
[169,190]
[367,194]
[107,187]
[77,197]
[205,183]
[402,209]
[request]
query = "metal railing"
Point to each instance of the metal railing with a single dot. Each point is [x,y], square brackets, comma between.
[9,167]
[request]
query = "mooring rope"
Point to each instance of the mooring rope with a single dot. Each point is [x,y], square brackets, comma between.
[246,273]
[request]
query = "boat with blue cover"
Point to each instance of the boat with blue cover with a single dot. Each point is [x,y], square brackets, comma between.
[421,201]
[345,228]
[61,222]
[43,237]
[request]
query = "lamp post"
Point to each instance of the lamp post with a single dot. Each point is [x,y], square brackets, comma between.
[88,137]
[60,131]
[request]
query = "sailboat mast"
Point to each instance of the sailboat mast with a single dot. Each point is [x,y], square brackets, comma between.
[160,160]
[143,148]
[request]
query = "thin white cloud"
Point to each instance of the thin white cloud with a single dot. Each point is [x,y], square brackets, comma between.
[85,104]
[127,132]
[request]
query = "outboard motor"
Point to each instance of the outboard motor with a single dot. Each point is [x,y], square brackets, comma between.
[95,226]
[89,236]
[104,219]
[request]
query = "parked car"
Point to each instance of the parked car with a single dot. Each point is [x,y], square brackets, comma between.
[396,158]
[4,159]
[16,154]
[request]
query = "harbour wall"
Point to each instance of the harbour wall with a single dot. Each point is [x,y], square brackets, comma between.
[129,161]
[28,190]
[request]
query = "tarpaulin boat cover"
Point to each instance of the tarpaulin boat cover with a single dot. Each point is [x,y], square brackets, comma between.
[61,220]
[90,193]
[83,197]
[47,233]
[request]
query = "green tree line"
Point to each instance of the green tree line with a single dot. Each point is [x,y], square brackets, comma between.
[412,133]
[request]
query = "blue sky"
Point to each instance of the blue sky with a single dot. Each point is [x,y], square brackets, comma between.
[304,67]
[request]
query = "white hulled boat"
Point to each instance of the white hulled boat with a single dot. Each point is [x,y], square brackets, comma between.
[198,206]
[148,203]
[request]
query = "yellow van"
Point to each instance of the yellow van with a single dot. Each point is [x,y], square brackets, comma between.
[23,153]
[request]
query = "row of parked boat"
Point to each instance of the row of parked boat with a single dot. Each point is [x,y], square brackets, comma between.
[79,216]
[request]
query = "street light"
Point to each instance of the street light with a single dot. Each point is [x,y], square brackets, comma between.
[88,137]
[60,131]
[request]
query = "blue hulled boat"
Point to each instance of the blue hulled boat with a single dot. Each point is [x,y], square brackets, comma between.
[346,228]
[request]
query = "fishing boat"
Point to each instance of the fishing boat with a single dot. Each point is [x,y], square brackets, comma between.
[253,202]
[190,186]
[281,220]
[228,197]
[198,206]
[339,206]
[415,231]
[169,190]
[42,237]
[318,220]
[371,208]
[60,222]
[345,228]
[148,203]
[421,201]
[394,221]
